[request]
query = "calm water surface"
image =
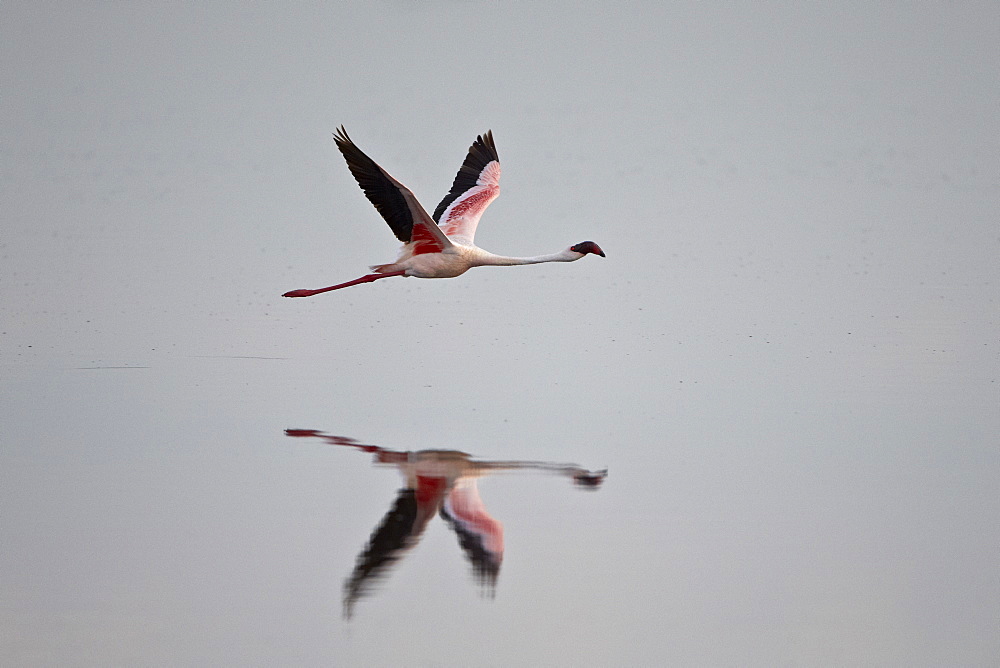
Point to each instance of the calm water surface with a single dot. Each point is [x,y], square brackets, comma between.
[788,365]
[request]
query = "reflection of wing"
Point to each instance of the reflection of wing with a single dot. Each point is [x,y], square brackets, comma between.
[385,547]
[479,534]
[399,531]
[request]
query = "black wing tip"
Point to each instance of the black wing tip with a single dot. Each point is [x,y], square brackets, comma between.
[485,142]
[482,152]
[340,136]
[383,192]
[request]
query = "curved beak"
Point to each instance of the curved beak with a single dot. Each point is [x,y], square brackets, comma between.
[587,247]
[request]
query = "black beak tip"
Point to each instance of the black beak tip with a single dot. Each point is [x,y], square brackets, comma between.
[588,247]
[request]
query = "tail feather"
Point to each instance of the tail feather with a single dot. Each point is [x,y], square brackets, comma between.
[384,268]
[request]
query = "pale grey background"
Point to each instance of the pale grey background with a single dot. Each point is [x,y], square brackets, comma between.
[789,359]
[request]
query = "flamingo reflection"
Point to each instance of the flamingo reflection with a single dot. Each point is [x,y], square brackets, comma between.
[438,482]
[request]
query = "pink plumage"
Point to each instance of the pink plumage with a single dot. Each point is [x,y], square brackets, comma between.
[442,246]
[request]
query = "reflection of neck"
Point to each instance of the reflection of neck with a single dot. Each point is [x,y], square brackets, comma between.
[568,470]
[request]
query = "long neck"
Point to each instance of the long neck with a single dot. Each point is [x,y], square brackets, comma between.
[501,261]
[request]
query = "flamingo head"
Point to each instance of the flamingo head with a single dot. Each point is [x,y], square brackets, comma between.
[589,479]
[585,247]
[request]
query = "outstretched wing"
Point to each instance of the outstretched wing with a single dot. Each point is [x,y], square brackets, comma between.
[479,534]
[476,185]
[388,543]
[394,201]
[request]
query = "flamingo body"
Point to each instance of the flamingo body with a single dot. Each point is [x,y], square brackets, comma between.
[441,246]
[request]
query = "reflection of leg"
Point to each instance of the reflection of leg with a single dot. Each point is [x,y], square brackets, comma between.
[384,548]
[336,440]
[391,457]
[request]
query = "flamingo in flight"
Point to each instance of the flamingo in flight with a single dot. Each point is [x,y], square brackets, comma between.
[440,246]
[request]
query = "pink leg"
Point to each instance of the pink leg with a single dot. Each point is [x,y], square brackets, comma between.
[364,279]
